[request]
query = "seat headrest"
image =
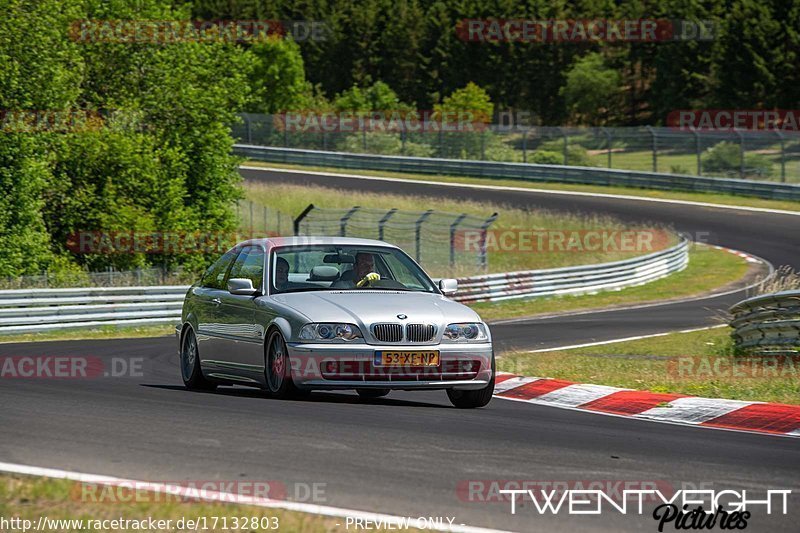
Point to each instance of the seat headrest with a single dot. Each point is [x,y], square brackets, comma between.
[323,273]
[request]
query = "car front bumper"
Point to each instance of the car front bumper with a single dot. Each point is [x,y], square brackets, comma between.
[350,366]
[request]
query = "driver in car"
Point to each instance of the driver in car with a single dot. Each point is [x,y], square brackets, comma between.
[281,273]
[361,274]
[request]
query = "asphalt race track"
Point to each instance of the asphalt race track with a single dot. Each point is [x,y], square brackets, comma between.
[410,453]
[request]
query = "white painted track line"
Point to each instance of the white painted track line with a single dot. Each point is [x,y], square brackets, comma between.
[223,497]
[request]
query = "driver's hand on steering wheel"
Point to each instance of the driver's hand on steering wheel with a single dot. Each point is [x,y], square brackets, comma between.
[372,276]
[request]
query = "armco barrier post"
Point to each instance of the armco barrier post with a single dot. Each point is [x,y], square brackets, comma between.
[741,152]
[382,222]
[482,260]
[608,145]
[697,151]
[344,219]
[654,146]
[783,156]
[524,146]
[453,228]
[300,218]
[417,239]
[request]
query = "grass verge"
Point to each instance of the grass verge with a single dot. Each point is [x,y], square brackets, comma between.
[699,363]
[712,198]
[105,332]
[709,268]
[29,498]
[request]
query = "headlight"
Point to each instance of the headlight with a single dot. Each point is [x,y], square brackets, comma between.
[329,332]
[468,332]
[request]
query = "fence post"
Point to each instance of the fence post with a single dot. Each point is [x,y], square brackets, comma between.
[325,141]
[266,225]
[249,132]
[566,142]
[300,218]
[483,264]
[419,222]
[382,222]
[608,144]
[654,147]
[741,152]
[344,219]
[403,141]
[453,227]
[483,146]
[783,156]
[697,151]
[525,146]
[251,215]
[278,216]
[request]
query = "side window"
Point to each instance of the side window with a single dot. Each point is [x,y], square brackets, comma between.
[249,265]
[214,278]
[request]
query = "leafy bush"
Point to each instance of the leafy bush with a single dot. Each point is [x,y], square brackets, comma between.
[576,154]
[544,157]
[725,158]
[384,144]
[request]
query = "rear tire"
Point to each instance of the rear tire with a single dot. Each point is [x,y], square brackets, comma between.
[278,370]
[470,399]
[371,394]
[191,372]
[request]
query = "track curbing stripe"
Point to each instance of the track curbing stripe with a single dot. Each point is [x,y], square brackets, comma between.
[712,413]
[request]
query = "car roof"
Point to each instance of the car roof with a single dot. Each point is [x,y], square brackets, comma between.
[310,240]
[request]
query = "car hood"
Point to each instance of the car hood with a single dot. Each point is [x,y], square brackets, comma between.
[368,307]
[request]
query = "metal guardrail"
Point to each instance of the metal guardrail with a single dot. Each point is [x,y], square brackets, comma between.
[36,310]
[522,171]
[767,322]
[580,279]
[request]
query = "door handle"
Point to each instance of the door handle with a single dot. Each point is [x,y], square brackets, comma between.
[216,301]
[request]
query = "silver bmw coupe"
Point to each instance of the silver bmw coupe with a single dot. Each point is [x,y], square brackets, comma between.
[296,314]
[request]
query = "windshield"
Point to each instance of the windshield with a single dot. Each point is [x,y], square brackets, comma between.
[332,267]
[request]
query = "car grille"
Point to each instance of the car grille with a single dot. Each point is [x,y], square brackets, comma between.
[413,332]
[420,332]
[388,332]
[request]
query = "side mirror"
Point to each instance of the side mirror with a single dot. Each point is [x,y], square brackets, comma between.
[448,286]
[241,286]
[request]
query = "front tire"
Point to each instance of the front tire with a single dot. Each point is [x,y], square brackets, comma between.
[278,371]
[371,394]
[191,372]
[470,399]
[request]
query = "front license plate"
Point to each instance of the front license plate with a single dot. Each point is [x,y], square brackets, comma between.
[407,358]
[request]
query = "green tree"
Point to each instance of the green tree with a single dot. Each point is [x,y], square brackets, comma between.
[278,78]
[591,89]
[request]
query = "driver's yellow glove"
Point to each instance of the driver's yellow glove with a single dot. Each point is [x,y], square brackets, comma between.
[372,276]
